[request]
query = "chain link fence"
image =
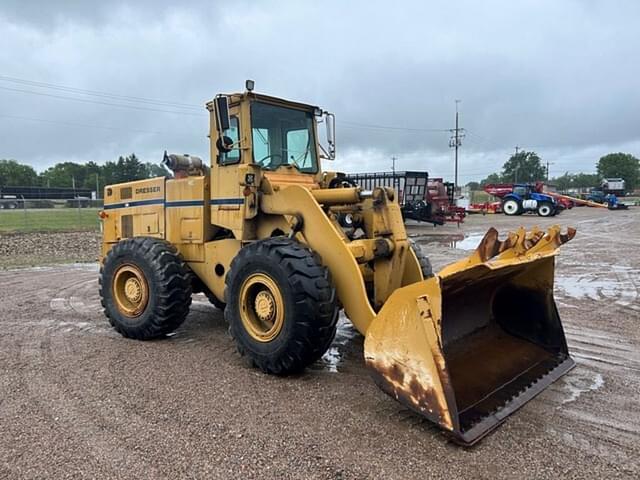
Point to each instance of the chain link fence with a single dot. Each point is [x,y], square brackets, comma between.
[46,215]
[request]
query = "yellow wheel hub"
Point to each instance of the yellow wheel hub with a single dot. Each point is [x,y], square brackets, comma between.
[265,306]
[130,290]
[133,290]
[261,307]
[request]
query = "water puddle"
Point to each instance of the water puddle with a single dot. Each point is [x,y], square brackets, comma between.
[332,358]
[459,241]
[616,284]
[587,286]
[577,384]
[470,242]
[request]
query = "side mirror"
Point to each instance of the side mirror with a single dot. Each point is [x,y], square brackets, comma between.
[222,113]
[224,144]
[331,134]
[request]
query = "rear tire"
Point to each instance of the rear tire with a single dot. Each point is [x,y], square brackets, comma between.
[281,305]
[214,300]
[511,207]
[423,260]
[145,288]
[545,209]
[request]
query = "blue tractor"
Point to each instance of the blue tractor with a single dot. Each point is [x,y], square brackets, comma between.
[524,198]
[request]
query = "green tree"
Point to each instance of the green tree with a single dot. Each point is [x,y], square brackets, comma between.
[576,180]
[64,175]
[14,174]
[586,180]
[620,165]
[523,167]
[474,186]
[93,172]
[130,168]
[492,178]
[109,173]
[563,182]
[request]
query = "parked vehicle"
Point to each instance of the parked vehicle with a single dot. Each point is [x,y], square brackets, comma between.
[421,198]
[614,186]
[614,204]
[9,202]
[597,196]
[523,198]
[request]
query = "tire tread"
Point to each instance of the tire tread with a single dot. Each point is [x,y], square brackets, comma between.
[170,287]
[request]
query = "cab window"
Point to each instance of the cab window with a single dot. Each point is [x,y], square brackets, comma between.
[233,132]
[298,148]
[283,136]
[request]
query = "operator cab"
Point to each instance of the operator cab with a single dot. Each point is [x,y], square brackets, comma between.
[521,190]
[268,132]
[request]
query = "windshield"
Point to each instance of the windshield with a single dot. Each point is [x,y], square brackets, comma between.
[283,136]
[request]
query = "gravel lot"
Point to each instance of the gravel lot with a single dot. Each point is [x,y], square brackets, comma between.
[79,401]
[37,249]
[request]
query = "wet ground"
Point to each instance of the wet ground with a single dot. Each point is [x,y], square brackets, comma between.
[79,401]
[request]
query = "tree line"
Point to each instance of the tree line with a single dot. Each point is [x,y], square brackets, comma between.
[78,175]
[523,167]
[528,167]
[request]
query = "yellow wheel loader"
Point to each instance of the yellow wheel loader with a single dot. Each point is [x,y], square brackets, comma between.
[282,246]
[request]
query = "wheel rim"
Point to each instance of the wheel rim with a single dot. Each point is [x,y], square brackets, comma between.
[544,210]
[130,290]
[261,307]
[510,207]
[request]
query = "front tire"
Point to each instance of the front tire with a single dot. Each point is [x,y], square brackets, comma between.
[281,305]
[145,288]
[511,207]
[545,209]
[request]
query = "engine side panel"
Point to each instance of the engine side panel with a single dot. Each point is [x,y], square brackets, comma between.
[133,209]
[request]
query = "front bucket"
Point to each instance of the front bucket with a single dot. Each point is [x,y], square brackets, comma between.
[471,345]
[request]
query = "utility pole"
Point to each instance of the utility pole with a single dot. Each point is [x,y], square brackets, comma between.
[393,171]
[548,163]
[517,148]
[455,142]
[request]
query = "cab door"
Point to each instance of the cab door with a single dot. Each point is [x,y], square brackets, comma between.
[226,202]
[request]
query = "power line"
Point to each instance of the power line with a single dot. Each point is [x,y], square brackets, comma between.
[85,125]
[150,101]
[86,100]
[113,96]
[483,141]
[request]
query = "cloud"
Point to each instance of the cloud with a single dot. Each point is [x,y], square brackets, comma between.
[555,77]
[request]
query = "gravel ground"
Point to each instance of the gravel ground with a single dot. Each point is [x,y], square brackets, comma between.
[37,249]
[79,401]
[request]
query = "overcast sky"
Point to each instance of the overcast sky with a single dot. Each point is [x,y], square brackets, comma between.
[558,77]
